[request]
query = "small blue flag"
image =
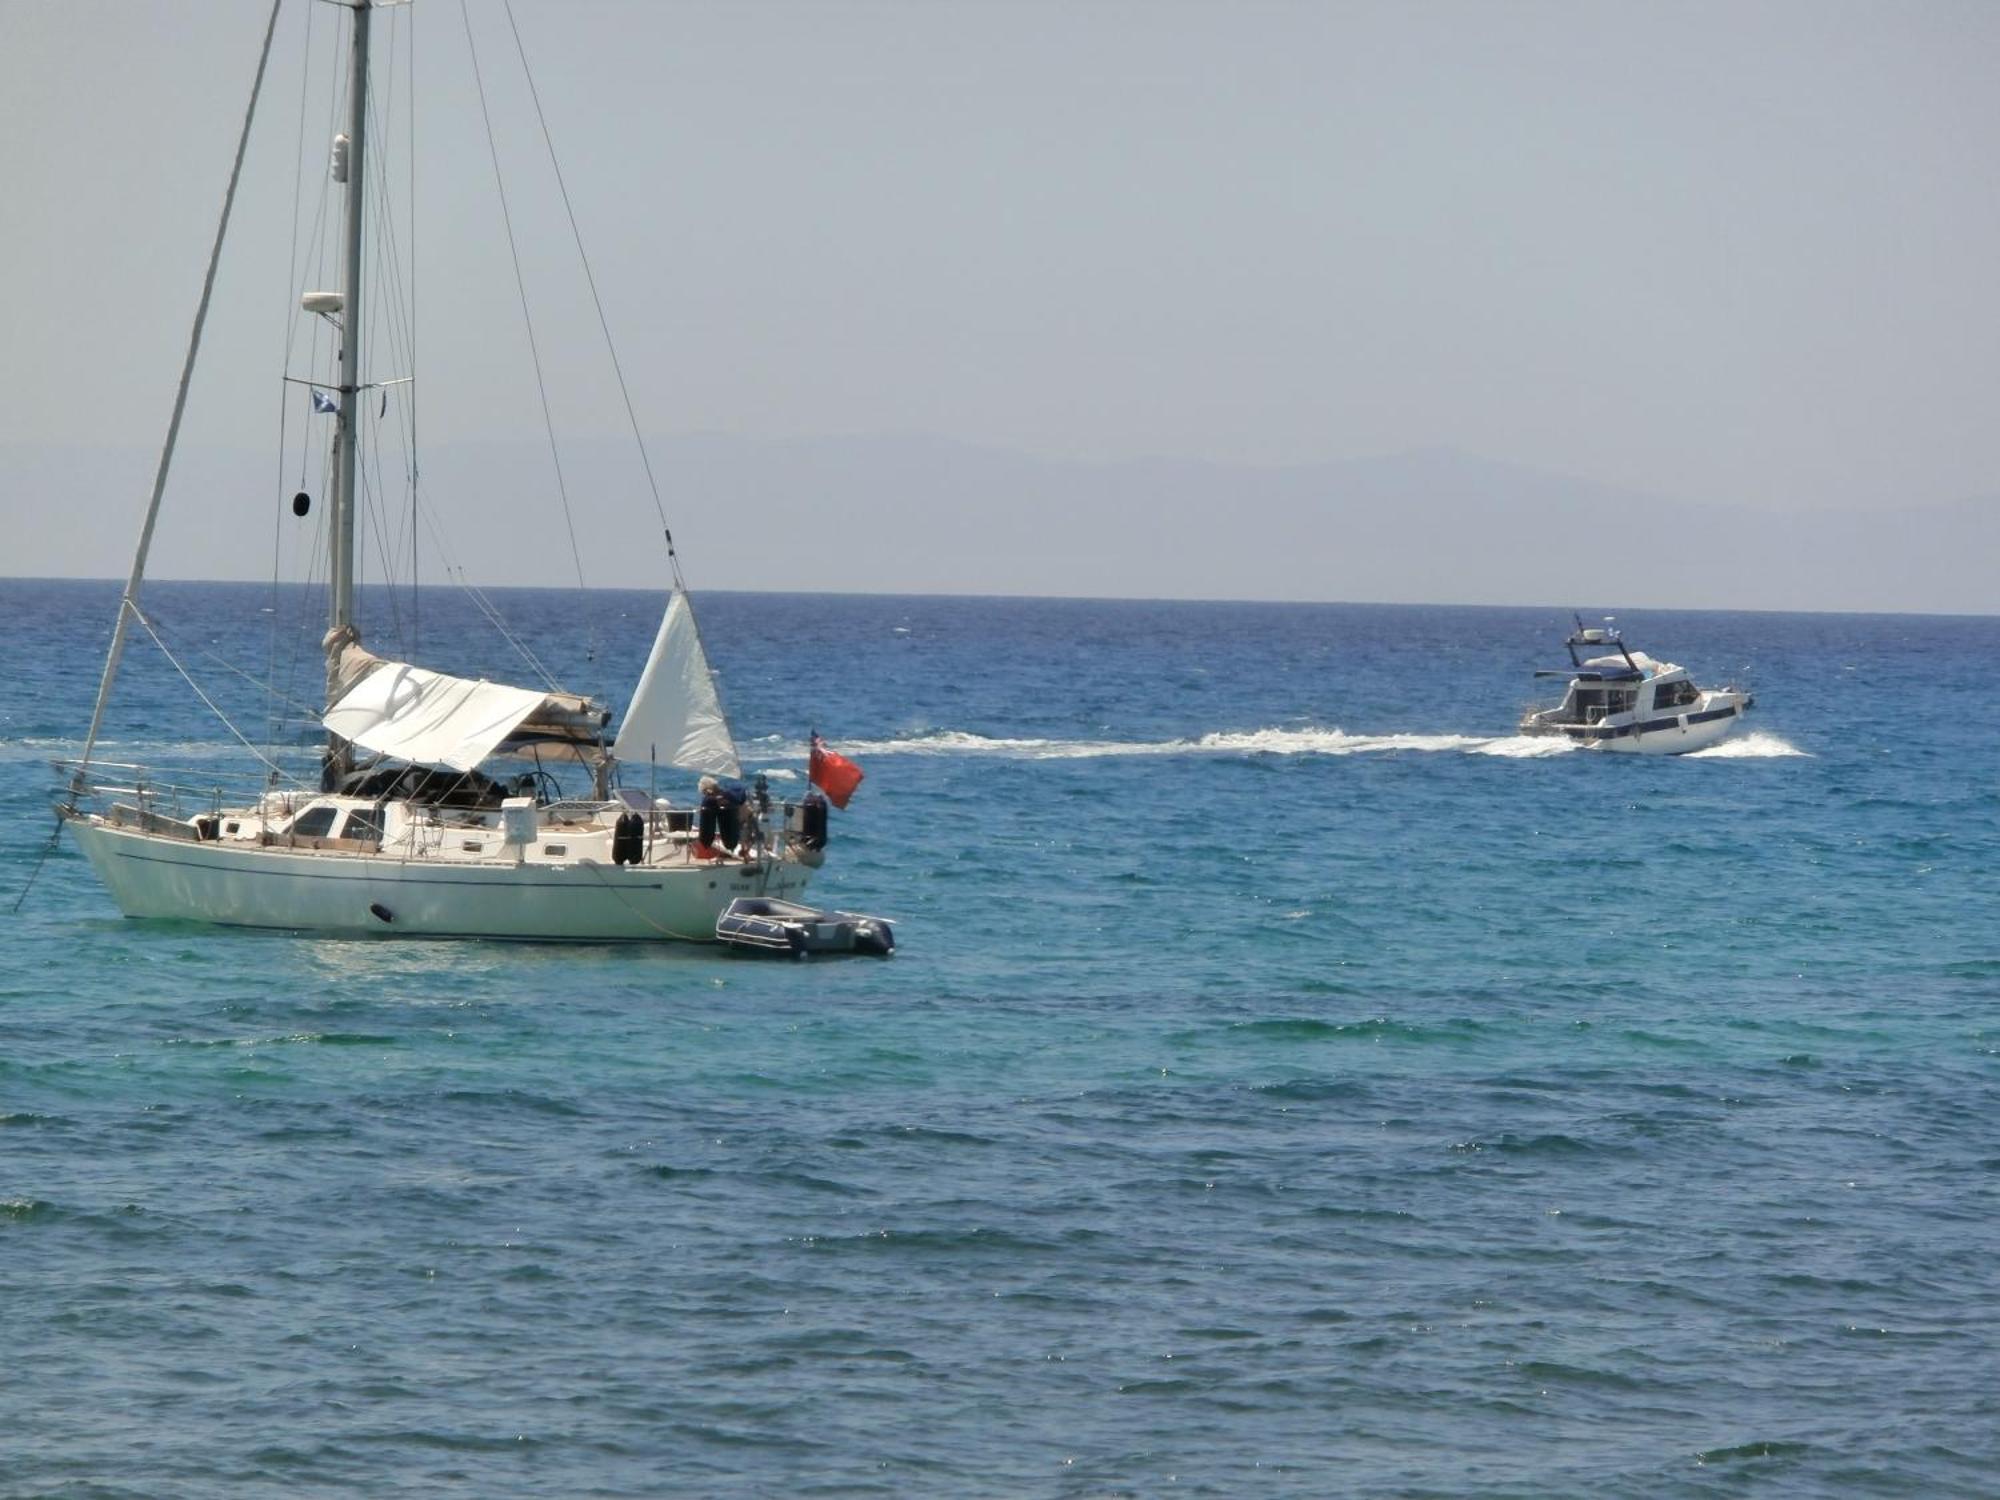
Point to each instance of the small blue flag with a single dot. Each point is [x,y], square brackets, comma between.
[322,402]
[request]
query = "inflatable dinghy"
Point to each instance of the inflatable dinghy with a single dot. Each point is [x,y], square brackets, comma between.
[760,924]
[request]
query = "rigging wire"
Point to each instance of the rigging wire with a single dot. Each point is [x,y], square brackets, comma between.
[374,514]
[493,617]
[300,634]
[129,599]
[317,240]
[263,685]
[147,626]
[392,314]
[604,323]
[284,392]
[383,310]
[520,282]
[410,410]
[35,874]
[315,261]
[455,572]
[280,686]
[308,601]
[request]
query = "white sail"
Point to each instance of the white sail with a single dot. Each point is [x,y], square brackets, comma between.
[415,714]
[676,718]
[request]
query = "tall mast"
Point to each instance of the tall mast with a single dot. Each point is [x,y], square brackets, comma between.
[341,565]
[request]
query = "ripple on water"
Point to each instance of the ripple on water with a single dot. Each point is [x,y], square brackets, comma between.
[1252,1102]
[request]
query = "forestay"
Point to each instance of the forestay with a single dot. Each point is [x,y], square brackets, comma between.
[676,717]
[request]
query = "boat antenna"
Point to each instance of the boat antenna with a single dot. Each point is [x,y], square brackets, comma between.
[128,603]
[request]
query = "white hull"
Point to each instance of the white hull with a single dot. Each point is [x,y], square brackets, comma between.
[1683,739]
[1657,738]
[251,886]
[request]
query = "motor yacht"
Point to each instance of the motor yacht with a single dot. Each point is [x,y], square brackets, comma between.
[1624,700]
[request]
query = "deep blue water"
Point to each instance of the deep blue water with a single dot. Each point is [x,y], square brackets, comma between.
[1284,1086]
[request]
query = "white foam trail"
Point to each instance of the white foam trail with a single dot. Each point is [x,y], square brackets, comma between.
[1527,746]
[46,748]
[1235,742]
[1758,745]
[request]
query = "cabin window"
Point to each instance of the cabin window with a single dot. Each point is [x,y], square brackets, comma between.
[314,822]
[363,823]
[555,851]
[1675,694]
[1620,700]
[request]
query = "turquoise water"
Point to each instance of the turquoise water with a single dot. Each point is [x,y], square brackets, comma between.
[1288,1084]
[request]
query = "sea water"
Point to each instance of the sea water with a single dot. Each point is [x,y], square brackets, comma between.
[1289,1082]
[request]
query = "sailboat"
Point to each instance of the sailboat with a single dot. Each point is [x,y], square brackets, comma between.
[415,824]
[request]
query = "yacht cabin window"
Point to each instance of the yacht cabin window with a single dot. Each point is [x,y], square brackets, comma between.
[1593,703]
[314,822]
[1675,694]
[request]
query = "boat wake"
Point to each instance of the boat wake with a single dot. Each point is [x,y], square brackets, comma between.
[32,749]
[1758,745]
[1236,742]
[1761,745]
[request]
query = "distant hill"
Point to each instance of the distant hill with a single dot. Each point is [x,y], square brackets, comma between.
[910,514]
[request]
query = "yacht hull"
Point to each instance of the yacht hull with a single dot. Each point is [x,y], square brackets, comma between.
[238,886]
[1681,736]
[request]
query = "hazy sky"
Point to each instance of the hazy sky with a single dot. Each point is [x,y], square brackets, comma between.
[1738,253]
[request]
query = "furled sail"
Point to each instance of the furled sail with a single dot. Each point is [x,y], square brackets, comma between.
[414,714]
[675,717]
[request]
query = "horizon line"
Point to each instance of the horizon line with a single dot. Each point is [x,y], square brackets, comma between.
[1288,603]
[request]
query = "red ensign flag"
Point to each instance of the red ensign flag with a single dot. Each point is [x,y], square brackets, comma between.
[833,774]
